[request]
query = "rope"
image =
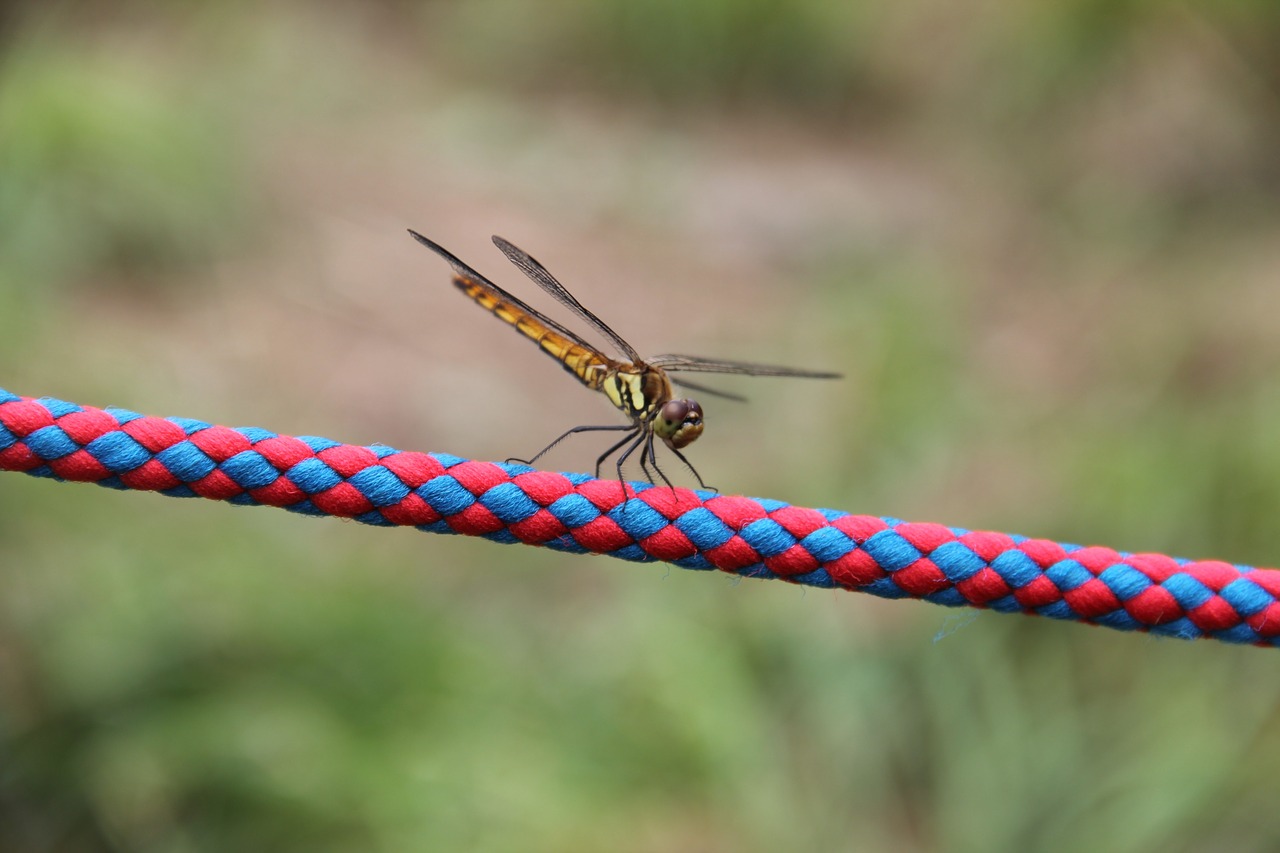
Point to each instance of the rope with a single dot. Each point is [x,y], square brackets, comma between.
[751,537]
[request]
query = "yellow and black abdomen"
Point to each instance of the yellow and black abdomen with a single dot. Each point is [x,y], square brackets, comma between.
[589,366]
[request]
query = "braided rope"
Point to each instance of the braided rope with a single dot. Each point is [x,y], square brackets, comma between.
[750,537]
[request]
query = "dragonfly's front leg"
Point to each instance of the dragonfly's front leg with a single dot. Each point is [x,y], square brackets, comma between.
[694,471]
[653,459]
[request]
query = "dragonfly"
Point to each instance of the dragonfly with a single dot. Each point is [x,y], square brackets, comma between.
[642,389]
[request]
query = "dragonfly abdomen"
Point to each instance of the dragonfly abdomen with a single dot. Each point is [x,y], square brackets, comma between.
[589,367]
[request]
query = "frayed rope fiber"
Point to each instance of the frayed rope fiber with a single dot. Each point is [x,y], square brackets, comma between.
[751,537]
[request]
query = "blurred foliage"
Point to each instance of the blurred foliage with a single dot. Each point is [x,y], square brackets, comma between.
[830,61]
[1080,347]
[718,53]
[106,168]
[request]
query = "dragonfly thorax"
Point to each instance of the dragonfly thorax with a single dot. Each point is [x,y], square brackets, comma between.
[639,393]
[644,394]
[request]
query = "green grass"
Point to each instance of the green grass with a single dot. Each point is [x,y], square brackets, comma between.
[107,171]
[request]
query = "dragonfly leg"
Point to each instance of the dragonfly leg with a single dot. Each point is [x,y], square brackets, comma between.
[644,469]
[603,456]
[645,456]
[689,465]
[653,459]
[631,448]
[636,440]
[567,433]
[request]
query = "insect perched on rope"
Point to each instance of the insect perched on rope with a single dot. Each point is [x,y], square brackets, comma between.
[640,388]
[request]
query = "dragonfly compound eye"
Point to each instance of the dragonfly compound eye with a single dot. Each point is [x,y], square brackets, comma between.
[679,423]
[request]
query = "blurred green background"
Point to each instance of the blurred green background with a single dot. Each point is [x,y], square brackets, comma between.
[1039,239]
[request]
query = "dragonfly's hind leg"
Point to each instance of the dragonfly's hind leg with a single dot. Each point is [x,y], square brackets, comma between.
[567,433]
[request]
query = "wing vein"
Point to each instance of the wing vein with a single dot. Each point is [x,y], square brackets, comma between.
[674,363]
[544,279]
[466,272]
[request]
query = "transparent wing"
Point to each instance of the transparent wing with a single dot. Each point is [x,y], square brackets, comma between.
[467,272]
[703,389]
[696,364]
[547,282]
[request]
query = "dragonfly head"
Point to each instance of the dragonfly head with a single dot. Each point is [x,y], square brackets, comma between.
[679,422]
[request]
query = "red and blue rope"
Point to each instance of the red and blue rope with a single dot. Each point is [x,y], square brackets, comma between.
[751,537]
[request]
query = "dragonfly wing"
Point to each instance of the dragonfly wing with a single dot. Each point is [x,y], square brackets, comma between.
[703,389]
[465,272]
[696,364]
[548,282]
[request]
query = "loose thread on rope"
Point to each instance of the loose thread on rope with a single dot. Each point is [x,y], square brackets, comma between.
[751,537]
